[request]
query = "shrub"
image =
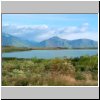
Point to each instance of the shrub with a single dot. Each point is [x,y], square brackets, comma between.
[50,71]
[79,76]
[21,81]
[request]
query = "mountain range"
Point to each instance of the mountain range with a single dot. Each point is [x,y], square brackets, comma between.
[9,40]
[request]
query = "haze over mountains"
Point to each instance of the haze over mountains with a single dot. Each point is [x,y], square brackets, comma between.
[9,40]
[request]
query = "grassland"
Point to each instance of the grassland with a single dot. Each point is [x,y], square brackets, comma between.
[81,71]
[12,48]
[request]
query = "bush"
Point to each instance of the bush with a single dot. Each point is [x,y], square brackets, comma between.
[21,81]
[23,72]
[80,76]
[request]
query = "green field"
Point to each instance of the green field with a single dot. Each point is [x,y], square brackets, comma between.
[81,71]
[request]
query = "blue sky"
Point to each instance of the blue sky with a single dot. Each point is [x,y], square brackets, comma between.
[38,27]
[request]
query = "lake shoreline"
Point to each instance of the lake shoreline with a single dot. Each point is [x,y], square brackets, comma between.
[10,58]
[19,49]
[50,54]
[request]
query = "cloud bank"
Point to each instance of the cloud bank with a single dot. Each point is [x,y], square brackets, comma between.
[41,32]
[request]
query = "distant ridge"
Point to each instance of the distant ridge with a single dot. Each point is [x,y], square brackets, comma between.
[9,40]
[78,43]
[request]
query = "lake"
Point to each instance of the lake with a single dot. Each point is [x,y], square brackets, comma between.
[46,54]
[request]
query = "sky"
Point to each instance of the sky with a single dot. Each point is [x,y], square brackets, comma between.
[38,27]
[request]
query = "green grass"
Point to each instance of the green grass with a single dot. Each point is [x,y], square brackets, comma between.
[81,71]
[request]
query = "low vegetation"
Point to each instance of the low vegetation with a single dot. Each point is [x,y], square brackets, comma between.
[13,49]
[81,71]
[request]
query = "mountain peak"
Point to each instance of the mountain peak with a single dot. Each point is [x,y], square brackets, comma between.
[55,37]
[9,40]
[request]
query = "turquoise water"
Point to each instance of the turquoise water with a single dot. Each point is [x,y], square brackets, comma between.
[46,54]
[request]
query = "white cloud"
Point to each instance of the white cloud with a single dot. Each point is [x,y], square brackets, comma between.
[84,27]
[74,29]
[69,29]
[6,25]
[41,27]
[86,24]
[42,32]
[46,35]
[86,35]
